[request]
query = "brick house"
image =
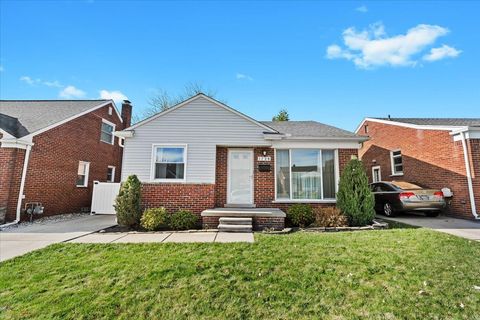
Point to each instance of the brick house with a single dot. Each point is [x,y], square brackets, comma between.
[206,157]
[52,151]
[437,153]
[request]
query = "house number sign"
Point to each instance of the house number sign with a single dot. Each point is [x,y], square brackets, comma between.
[264,159]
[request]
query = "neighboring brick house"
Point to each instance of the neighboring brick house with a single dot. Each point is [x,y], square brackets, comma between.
[206,157]
[438,153]
[51,151]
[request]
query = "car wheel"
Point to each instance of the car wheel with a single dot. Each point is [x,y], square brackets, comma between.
[388,209]
[432,214]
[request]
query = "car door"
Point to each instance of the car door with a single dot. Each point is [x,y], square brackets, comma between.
[377,193]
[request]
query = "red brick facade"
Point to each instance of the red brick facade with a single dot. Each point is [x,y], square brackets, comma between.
[176,196]
[53,165]
[430,157]
[198,197]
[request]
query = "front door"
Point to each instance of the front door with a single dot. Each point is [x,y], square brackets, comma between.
[240,177]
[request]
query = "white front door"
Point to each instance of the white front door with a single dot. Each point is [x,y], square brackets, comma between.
[240,176]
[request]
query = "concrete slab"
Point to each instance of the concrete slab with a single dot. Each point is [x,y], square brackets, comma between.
[191,237]
[458,227]
[143,237]
[234,237]
[18,241]
[98,238]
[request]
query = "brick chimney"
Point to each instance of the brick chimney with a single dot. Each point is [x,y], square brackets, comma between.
[126,113]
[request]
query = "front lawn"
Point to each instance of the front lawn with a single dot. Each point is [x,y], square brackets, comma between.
[391,274]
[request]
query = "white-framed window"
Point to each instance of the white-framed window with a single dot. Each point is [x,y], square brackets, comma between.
[169,163]
[107,130]
[397,162]
[376,174]
[82,177]
[111,174]
[110,111]
[305,174]
[121,142]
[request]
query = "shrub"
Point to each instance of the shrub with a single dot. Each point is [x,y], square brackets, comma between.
[330,217]
[300,215]
[183,220]
[127,203]
[354,197]
[154,219]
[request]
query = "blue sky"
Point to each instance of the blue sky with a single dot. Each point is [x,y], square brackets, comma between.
[331,62]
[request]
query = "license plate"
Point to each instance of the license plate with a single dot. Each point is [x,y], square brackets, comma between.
[422,197]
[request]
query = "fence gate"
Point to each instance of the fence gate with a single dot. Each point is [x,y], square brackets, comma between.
[103,197]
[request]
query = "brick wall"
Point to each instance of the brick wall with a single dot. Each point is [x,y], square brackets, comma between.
[176,196]
[53,166]
[264,182]
[430,157]
[474,153]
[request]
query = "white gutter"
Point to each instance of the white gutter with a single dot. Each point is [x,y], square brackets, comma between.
[124,133]
[22,187]
[469,176]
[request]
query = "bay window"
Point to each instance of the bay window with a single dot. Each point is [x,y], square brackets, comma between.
[305,174]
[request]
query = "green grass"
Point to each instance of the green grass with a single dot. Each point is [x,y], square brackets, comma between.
[391,274]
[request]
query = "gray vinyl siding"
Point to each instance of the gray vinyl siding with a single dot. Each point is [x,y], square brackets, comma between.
[201,125]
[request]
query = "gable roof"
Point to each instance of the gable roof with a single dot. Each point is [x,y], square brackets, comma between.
[195,97]
[472,122]
[309,129]
[445,124]
[36,116]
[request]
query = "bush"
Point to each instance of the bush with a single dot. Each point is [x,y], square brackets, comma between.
[354,197]
[127,203]
[183,220]
[330,217]
[154,219]
[300,215]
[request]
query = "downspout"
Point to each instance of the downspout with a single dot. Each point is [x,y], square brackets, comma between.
[469,176]
[28,148]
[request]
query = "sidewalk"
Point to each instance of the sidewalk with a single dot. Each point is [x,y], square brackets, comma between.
[16,242]
[165,237]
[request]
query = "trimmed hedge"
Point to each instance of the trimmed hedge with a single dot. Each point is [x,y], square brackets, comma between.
[155,219]
[300,215]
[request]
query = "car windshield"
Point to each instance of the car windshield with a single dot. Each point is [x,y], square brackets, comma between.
[405,185]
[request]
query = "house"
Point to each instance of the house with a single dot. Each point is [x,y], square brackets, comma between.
[438,153]
[206,157]
[51,151]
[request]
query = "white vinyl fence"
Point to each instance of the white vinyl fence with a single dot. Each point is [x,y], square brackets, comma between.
[103,197]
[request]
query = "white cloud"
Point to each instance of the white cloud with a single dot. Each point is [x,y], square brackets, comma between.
[116,96]
[441,53]
[362,9]
[71,92]
[242,76]
[29,80]
[372,47]
[54,84]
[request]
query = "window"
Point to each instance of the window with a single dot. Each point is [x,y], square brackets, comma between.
[107,132]
[376,174]
[110,111]
[397,162]
[365,127]
[82,177]
[305,174]
[111,174]
[169,163]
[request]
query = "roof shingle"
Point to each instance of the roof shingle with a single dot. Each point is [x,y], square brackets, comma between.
[473,122]
[33,115]
[311,129]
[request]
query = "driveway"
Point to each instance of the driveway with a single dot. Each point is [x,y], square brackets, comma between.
[16,242]
[459,227]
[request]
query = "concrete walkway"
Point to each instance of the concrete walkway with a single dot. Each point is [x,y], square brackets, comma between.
[16,242]
[459,227]
[164,237]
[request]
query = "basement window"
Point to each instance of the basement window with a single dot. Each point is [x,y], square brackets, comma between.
[397,162]
[82,177]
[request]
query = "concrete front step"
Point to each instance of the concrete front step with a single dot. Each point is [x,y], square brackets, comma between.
[230,220]
[234,228]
